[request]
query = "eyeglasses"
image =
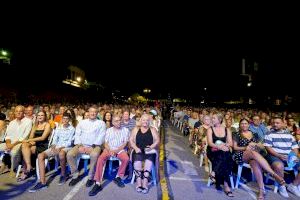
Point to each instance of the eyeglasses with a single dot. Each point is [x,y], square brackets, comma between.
[65,118]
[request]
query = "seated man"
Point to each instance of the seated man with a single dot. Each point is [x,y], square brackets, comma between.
[279,143]
[61,144]
[116,139]
[17,131]
[89,136]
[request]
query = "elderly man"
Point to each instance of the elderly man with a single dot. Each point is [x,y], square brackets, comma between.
[16,132]
[89,136]
[116,139]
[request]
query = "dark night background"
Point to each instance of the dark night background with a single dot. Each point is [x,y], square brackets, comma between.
[174,58]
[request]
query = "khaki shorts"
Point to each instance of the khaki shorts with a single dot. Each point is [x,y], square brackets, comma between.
[50,153]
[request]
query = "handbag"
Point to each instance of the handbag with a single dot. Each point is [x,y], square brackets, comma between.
[150,151]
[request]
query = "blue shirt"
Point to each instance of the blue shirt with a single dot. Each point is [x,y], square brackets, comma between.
[259,131]
[63,136]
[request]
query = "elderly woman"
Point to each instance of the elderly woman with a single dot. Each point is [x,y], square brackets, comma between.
[219,140]
[247,149]
[37,142]
[143,140]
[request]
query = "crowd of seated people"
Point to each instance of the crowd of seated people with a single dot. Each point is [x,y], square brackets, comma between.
[66,132]
[228,137]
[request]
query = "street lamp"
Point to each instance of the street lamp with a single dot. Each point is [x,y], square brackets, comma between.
[4,53]
[5,56]
[146,90]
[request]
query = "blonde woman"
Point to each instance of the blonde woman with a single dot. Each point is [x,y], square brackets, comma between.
[143,140]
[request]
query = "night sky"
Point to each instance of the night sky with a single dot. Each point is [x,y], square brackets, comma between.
[132,57]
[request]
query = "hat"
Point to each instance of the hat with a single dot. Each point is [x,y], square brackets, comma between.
[153,112]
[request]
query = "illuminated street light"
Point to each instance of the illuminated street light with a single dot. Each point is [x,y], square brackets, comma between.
[4,53]
[146,90]
[78,79]
[249,84]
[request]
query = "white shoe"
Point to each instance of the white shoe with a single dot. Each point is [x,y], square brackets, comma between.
[283,192]
[293,189]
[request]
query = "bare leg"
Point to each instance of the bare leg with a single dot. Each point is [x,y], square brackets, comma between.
[26,152]
[138,167]
[259,177]
[248,155]
[41,158]
[62,161]
[147,171]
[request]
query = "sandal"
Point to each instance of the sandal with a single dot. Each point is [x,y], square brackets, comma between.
[139,188]
[261,194]
[25,175]
[280,180]
[145,190]
[212,178]
[229,193]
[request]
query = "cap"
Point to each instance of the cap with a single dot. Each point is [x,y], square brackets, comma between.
[153,112]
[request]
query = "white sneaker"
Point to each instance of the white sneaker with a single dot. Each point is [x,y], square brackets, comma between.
[283,192]
[293,189]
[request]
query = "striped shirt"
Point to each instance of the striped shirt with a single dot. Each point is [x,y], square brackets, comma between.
[281,141]
[63,137]
[116,137]
[130,124]
[90,132]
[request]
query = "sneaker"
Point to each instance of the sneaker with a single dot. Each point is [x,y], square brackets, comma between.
[62,180]
[283,192]
[74,181]
[119,182]
[37,187]
[293,189]
[97,188]
[89,183]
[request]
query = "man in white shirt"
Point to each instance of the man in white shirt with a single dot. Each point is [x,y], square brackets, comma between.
[16,132]
[89,136]
[116,139]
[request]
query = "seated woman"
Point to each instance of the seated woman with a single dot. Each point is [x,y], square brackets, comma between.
[247,150]
[107,118]
[37,143]
[202,139]
[219,141]
[143,140]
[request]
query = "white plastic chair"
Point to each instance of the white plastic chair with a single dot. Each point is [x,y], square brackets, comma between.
[239,174]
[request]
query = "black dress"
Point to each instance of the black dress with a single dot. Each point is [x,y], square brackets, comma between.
[40,145]
[221,161]
[142,141]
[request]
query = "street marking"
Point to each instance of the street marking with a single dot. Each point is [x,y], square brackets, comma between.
[189,168]
[76,188]
[188,179]
[249,190]
[164,186]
